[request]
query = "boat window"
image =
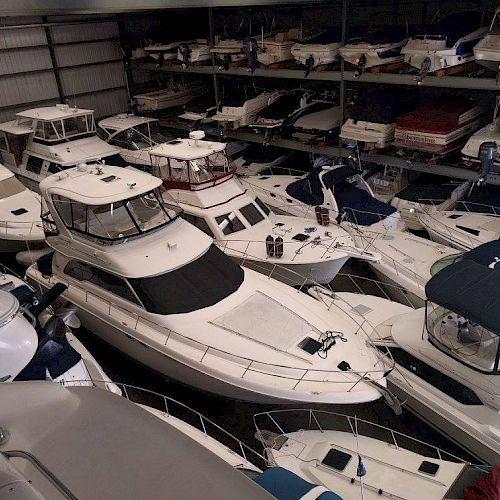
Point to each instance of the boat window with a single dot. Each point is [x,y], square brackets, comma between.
[468,342]
[58,129]
[251,214]
[76,125]
[103,133]
[34,164]
[54,168]
[199,284]
[118,220]
[10,187]
[130,139]
[229,223]
[115,160]
[114,284]
[199,222]
[444,262]
[263,206]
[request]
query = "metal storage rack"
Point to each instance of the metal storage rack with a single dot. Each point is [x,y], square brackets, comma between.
[341,76]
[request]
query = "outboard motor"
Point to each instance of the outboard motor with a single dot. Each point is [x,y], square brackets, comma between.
[487,156]
[360,66]
[250,49]
[309,65]
[160,60]
[226,61]
[185,52]
[424,69]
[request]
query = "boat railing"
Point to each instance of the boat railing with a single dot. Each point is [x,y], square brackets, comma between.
[171,407]
[479,208]
[23,228]
[273,426]
[192,348]
[441,228]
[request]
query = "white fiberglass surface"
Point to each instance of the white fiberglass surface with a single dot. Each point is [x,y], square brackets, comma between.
[265,320]
[10,187]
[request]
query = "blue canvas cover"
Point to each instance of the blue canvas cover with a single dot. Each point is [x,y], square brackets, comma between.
[487,254]
[285,485]
[465,287]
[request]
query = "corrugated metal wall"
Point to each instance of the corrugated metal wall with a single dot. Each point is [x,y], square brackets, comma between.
[87,60]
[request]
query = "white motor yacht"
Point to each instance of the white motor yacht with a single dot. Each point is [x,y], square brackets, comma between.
[278,48]
[158,289]
[241,111]
[317,120]
[317,50]
[176,93]
[83,442]
[487,51]
[228,50]
[133,136]
[165,51]
[200,177]
[20,223]
[448,353]
[258,158]
[339,190]
[460,229]
[449,42]
[378,48]
[429,192]
[490,133]
[332,449]
[37,343]
[42,141]
[408,261]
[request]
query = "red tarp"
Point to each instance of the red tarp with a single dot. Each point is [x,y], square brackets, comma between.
[487,488]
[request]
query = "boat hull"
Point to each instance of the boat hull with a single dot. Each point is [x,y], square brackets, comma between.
[296,274]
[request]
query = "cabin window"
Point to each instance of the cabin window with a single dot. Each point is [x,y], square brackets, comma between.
[129,139]
[263,206]
[10,187]
[75,125]
[54,168]
[114,284]
[460,338]
[104,133]
[199,222]
[229,223]
[34,164]
[251,214]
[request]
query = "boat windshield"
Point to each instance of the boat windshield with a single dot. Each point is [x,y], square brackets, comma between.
[444,262]
[191,174]
[142,136]
[65,128]
[10,187]
[115,222]
[464,340]
[495,24]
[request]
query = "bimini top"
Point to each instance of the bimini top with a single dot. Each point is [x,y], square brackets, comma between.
[487,254]
[57,112]
[124,121]
[470,289]
[188,149]
[99,184]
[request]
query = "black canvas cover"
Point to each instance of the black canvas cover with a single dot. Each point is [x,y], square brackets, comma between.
[262,154]
[483,199]
[470,289]
[308,189]
[429,187]
[282,107]
[332,35]
[199,284]
[487,255]
[338,175]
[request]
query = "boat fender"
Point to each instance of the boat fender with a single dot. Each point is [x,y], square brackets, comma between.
[317,211]
[309,65]
[278,247]
[325,217]
[270,246]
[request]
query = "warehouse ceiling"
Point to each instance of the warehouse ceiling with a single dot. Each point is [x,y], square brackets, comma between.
[54,7]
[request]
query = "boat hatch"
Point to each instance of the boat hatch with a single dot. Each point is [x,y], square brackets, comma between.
[310,345]
[337,459]
[262,319]
[430,468]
